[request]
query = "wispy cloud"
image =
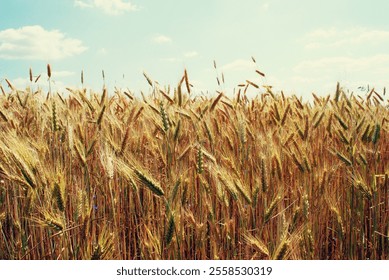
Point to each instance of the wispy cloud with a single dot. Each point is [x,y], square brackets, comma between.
[265,6]
[56,84]
[335,38]
[36,43]
[238,65]
[320,75]
[191,54]
[82,4]
[161,39]
[373,64]
[111,7]
[366,60]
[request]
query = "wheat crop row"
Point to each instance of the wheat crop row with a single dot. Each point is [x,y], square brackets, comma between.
[171,175]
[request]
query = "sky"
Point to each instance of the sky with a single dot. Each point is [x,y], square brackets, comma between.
[301,46]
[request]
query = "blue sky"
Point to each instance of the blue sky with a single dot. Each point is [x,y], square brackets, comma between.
[302,46]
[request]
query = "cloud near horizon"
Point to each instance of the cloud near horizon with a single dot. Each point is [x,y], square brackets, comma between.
[336,38]
[374,64]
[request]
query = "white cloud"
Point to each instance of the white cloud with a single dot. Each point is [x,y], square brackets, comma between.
[20,83]
[354,56]
[161,39]
[81,4]
[238,65]
[335,38]
[56,85]
[320,75]
[36,43]
[111,7]
[371,64]
[191,54]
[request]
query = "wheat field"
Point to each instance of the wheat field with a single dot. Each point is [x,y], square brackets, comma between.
[173,175]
